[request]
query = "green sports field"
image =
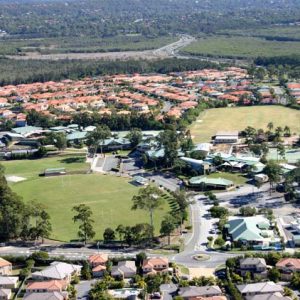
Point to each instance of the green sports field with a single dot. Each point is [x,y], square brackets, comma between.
[238,118]
[108,196]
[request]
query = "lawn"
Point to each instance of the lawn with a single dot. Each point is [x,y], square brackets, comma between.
[108,196]
[32,168]
[241,47]
[238,118]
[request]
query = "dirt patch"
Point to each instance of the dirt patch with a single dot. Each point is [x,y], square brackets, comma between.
[12,178]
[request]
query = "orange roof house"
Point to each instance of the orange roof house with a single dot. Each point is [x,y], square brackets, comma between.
[155,265]
[289,264]
[47,286]
[98,259]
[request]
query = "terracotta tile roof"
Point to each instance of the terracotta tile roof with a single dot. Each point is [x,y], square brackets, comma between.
[4,263]
[290,263]
[151,262]
[98,258]
[51,285]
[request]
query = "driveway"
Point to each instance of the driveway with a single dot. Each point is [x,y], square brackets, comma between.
[83,289]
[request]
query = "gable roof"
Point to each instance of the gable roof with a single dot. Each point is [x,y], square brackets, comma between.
[8,280]
[47,285]
[194,291]
[58,270]
[101,258]
[273,296]
[260,287]
[4,263]
[5,293]
[45,296]
[247,228]
[154,261]
[293,263]
[253,261]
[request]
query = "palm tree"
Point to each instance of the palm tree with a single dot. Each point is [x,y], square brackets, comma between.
[270,126]
[148,199]
[278,131]
[287,131]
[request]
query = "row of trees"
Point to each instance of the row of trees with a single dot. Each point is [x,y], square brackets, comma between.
[18,219]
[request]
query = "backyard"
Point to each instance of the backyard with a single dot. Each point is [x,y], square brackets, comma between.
[108,196]
[238,118]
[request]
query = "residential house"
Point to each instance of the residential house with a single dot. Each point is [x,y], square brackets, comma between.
[272,296]
[124,269]
[46,296]
[253,231]
[288,266]
[259,288]
[8,282]
[98,264]
[254,265]
[155,265]
[46,286]
[5,294]
[58,271]
[5,267]
[98,260]
[192,292]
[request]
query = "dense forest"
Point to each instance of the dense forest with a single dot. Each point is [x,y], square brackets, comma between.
[106,18]
[43,70]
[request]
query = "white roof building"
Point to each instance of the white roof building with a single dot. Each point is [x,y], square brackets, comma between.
[58,270]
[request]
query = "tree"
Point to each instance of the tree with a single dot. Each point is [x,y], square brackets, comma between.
[14,214]
[248,211]
[280,151]
[98,136]
[153,283]
[287,131]
[135,136]
[148,199]
[273,171]
[43,226]
[217,160]
[278,131]
[109,235]
[219,212]
[219,242]
[168,140]
[168,225]
[211,196]
[274,274]
[120,231]
[86,271]
[84,216]
[270,126]
[59,140]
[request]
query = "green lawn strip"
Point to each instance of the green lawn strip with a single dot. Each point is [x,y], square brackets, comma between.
[238,118]
[183,269]
[109,198]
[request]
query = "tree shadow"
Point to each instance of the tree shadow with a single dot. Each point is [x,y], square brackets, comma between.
[72,160]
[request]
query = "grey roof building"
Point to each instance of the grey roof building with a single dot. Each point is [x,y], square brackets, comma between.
[200,291]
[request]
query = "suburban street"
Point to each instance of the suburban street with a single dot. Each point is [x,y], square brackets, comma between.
[195,242]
